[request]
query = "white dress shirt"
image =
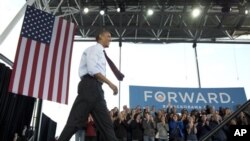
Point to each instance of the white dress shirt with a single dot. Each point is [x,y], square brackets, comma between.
[93,61]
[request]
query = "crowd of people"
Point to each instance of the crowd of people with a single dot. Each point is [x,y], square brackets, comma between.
[149,124]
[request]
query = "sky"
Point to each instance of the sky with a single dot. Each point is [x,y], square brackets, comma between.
[165,65]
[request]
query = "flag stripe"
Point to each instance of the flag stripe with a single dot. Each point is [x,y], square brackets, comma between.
[39,67]
[43,94]
[67,64]
[30,60]
[61,67]
[59,61]
[49,61]
[35,66]
[55,53]
[24,67]
[19,67]
[11,85]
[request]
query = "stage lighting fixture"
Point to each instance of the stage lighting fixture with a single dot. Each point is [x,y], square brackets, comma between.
[85,10]
[103,9]
[122,7]
[243,10]
[102,12]
[118,9]
[246,12]
[196,12]
[150,12]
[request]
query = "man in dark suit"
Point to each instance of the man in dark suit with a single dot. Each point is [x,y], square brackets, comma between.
[90,98]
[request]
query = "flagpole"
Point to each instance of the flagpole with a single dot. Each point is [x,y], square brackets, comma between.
[120,54]
[6,60]
[197,64]
[120,47]
[38,119]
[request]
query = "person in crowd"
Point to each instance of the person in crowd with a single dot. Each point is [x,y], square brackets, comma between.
[210,111]
[115,111]
[91,129]
[176,128]
[126,109]
[121,126]
[138,109]
[153,111]
[242,119]
[220,135]
[227,112]
[148,126]
[163,129]
[191,130]
[24,135]
[171,109]
[158,116]
[130,118]
[136,128]
[246,112]
[90,98]
[185,121]
[146,110]
[184,111]
[112,115]
[16,137]
[203,127]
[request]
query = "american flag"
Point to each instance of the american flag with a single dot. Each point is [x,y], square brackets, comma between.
[42,62]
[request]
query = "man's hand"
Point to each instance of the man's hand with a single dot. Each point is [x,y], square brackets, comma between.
[114,88]
[103,79]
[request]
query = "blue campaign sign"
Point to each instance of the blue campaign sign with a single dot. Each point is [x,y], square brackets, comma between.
[189,98]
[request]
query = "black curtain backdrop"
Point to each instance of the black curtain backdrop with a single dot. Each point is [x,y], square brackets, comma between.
[48,129]
[15,110]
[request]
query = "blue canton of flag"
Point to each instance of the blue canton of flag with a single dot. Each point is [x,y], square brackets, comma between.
[38,25]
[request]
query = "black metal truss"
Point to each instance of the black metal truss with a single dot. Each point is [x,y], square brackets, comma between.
[171,21]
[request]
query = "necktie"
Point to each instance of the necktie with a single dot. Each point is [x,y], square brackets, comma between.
[117,73]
